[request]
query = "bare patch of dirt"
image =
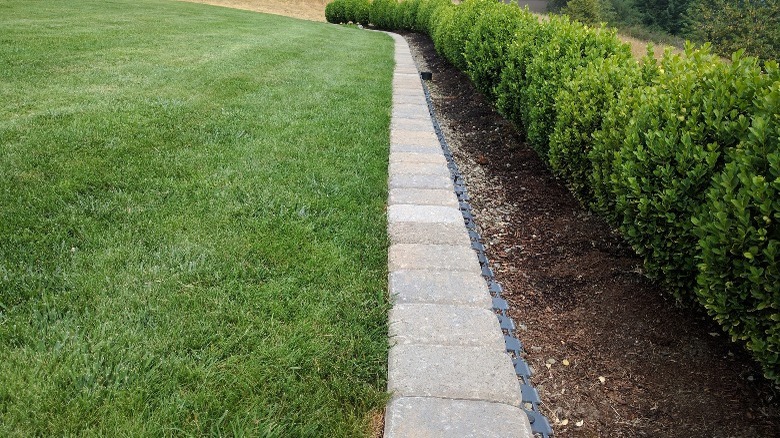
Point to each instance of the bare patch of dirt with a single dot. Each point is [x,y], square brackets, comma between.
[313,10]
[637,366]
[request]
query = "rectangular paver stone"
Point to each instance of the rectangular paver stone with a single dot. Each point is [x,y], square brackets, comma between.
[418,124]
[440,233]
[461,288]
[427,417]
[402,85]
[414,157]
[419,168]
[424,213]
[432,257]
[410,110]
[422,197]
[445,324]
[415,148]
[409,181]
[468,373]
[414,137]
[403,89]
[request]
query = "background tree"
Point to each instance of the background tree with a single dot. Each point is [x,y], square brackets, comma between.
[731,25]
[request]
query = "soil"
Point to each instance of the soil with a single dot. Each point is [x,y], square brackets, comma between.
[636,365]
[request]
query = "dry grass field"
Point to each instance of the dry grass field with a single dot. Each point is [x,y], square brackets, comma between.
[313,10]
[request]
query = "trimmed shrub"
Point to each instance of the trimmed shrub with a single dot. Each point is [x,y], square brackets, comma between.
[580,107]
[453,40]
[739,236]
[335,12]
[487,46]
[358,11]
[406,14]
[441,23]
[571,46]
[616,129]
[383,13]
[698,110]
[345,11]
[511,91]
[425,12]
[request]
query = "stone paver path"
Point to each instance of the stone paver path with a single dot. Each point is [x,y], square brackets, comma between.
[448,370]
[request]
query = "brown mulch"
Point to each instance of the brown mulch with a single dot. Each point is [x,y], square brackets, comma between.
[578,293]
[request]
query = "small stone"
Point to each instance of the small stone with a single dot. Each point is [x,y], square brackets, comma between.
[551,361]
[602,379]
[565,363]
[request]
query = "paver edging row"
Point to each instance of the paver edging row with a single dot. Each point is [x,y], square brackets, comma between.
[440,331]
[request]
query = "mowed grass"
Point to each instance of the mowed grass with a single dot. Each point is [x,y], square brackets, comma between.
[192,221]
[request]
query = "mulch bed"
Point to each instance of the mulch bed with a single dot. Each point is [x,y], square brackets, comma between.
[578,292]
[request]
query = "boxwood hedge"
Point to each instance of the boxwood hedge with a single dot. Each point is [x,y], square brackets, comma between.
[739,237]
[688,120]
[682,155]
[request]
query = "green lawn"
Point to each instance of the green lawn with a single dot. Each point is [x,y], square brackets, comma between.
[192,221]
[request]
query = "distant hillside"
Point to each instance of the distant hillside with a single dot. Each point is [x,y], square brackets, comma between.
[313,10]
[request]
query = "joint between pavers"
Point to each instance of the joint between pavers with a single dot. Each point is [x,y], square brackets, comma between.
[481,400]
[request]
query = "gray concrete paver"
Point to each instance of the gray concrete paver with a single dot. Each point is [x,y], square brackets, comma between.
[424,213]
[414,157]
[427,417]
[397,168]
[409,257]
[414,181]
[437,233]
[444,324]
[422,197]
[449,288]
[458,372]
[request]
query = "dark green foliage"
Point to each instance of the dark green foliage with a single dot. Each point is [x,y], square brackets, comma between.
[345,11]
[699,109]
[753,25]
[556,5]
[739,236]
[454,33]
[425,12]
[336,12]
[359,11]
[383,14]
[440,25]
[580,107]
[488,44]
[406,14]
[616,129]
[586,11]
[624,12]
[511,92]
[554,64]
[668,15]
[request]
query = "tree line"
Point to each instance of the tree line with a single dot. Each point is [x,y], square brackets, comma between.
[730,25]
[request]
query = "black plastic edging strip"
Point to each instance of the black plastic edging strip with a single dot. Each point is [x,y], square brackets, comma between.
[540,425]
